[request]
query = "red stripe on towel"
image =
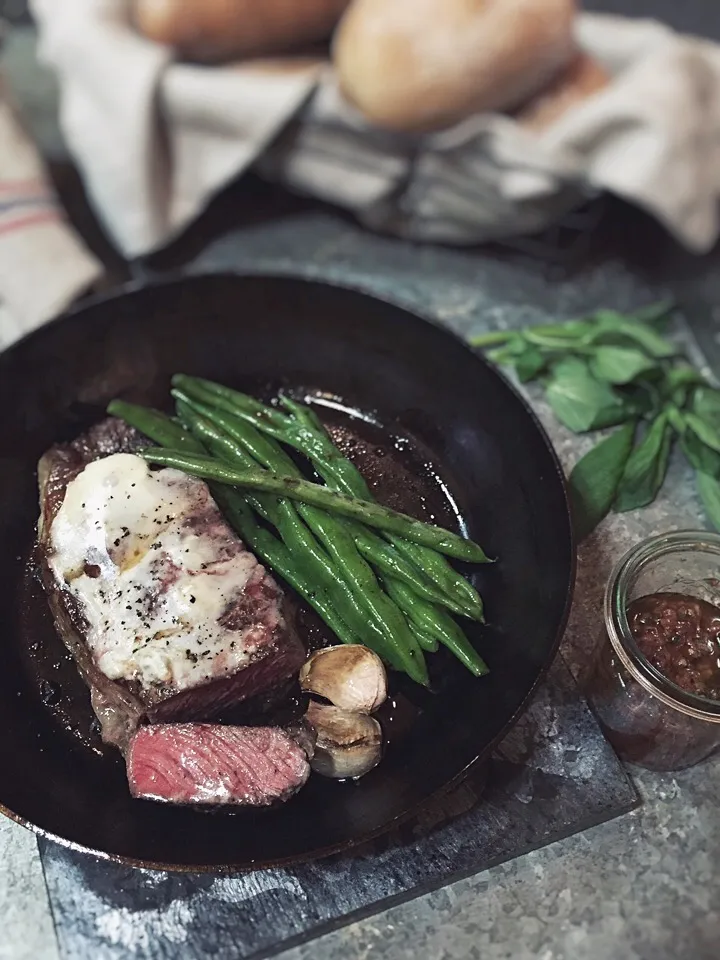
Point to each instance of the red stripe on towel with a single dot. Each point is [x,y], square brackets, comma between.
[34,185]
[31,220]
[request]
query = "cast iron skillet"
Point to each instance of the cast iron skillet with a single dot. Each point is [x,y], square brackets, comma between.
[468,437]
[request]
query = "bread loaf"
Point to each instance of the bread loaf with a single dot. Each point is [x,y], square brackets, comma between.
[575,84]
[213,30]
[420,65]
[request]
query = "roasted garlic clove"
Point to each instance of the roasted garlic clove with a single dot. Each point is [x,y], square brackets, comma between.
[348,745]
[350,676]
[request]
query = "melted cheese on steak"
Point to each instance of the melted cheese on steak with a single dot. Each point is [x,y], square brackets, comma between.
[154,569]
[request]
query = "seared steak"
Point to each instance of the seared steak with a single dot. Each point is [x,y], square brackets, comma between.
[200,763]
[167,614]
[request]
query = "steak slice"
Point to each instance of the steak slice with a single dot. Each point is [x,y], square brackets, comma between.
[201,763]
[167,614]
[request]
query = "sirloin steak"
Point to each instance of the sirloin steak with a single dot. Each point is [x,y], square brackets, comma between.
[167,614]
[202,763]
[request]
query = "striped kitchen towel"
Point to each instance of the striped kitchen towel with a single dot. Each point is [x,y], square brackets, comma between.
[43,265]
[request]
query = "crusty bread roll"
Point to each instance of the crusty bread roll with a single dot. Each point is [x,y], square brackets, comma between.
[421,65]
[213,30]
[580,80]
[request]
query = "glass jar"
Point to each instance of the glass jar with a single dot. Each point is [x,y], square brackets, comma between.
[649,720]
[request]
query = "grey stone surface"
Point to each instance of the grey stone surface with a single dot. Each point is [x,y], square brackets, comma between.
[26,929]
[644,887]
[466,290]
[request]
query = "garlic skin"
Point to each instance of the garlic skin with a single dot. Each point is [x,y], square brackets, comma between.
[348,745]
[350,676]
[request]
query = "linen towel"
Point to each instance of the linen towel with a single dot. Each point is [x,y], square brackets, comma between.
[43,266]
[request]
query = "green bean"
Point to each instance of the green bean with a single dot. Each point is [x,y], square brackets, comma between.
[266,418]
[308,435]
[368,513]
[380,614]
[437,568]
[424,639]
[265,451]
[161,429]
[388,561]
[155,425]
[363,582]
[437,624]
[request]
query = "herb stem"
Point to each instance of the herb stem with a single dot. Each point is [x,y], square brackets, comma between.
[491,338]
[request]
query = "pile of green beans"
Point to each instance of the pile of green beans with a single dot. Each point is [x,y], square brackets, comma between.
[306,434]
[373,575]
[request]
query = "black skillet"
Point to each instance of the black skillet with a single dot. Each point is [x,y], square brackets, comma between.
[448,438]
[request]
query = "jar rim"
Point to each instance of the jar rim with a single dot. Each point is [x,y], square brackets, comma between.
[618,627]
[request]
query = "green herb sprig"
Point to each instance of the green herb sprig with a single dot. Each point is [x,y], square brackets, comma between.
[619,370]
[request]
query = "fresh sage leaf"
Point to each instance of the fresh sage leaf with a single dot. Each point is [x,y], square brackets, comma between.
[679,382]
[517,345]
[643,398]
[705,430]
[577,399]
[613,415]
[529,364]
[706,405]
[701,457]
[572,330]
[709,490]
[501,356]
[595,478]
[513,347]
[646,395]
[679,396]
[676,419]
[490,338]
[619,364]
[613,327]
[646,467]
[654,312]
[684,376]
[551,342]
